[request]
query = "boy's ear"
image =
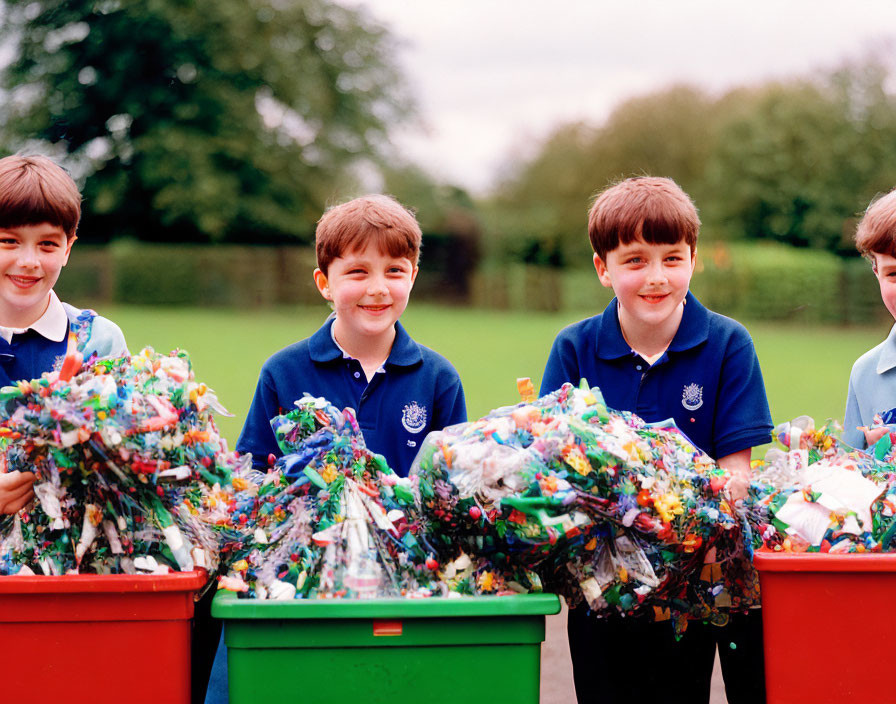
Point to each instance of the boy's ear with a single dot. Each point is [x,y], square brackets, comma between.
[601,268]
[694,258]
[320,280]
[68,248]
[414,274]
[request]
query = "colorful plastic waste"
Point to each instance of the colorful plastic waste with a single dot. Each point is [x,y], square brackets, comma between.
[820,495]
[567,495]
[344,522]
[125,450]
[557,494]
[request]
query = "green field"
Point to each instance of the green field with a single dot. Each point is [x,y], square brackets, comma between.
[806,368]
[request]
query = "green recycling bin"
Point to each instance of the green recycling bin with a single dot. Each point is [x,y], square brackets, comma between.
[333,651]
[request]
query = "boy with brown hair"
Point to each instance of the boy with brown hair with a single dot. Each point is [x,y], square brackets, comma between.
[361,357]
[656,351]
[40,208]
[872,382]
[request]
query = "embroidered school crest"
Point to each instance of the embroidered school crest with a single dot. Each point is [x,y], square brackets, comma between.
[413,417]
[692,397]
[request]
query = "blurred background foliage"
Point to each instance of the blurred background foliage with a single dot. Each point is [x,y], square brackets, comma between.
[237,122]
[204,121]
[793,162]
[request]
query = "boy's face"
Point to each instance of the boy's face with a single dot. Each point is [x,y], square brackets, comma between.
[369,290]
[31,257]
[885,270]
[650,280]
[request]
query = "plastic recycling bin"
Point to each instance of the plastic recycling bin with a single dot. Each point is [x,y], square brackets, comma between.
[98,638]
[332,651]
[828,624]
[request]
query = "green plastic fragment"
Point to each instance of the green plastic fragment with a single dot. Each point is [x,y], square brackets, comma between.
[315,478]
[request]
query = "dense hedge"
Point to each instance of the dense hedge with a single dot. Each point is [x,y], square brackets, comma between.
[227,275]
[138,273]
[769,282]
[750,282]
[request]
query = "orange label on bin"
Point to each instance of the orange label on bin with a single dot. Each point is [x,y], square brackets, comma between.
[382,627]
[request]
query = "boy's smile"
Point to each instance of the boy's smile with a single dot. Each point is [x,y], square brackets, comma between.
[369,290]
[650,282]
[31,258]
[24,281]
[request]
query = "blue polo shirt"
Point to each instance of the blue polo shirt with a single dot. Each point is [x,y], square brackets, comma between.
[872,391]
[28,355]
[418,391]
[708,380]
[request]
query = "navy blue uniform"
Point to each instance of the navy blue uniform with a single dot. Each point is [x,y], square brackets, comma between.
[417,392]
[709,382]
[28,355]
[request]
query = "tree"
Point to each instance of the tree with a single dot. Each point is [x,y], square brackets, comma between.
[209,119]
[796,162]
[539,213]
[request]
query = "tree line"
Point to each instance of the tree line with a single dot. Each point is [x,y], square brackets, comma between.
[793,161]
[240,121]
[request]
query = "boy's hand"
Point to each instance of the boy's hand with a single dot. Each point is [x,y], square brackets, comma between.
[737,465]
[16,490]
[738,487]
[872,435]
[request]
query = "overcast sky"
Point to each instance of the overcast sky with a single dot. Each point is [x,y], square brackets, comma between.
[491,76]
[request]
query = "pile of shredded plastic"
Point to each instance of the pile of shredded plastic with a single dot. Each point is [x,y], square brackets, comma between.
[125,451]
[344,521]
[132,476]
[821,495]
[559,494]
[567,494]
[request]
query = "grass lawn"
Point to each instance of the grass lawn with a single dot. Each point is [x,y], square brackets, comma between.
[806,369]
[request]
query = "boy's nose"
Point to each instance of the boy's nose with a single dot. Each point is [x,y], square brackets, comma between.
[376,286]
[27,257]
[656,273]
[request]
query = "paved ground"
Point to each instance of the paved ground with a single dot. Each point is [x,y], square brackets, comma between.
[556,670]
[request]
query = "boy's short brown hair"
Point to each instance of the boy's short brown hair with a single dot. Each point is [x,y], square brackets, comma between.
[876,231]
[376,219]
[647,207]
[35,190]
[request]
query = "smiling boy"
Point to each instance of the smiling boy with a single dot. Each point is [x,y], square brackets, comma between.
[656,351]
[361,357]
[872,382]
[40,208]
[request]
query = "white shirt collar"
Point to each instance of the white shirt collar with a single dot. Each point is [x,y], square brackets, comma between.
[53,324]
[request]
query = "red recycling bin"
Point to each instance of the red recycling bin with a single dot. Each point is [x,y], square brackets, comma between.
[828,624]
[98,638]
